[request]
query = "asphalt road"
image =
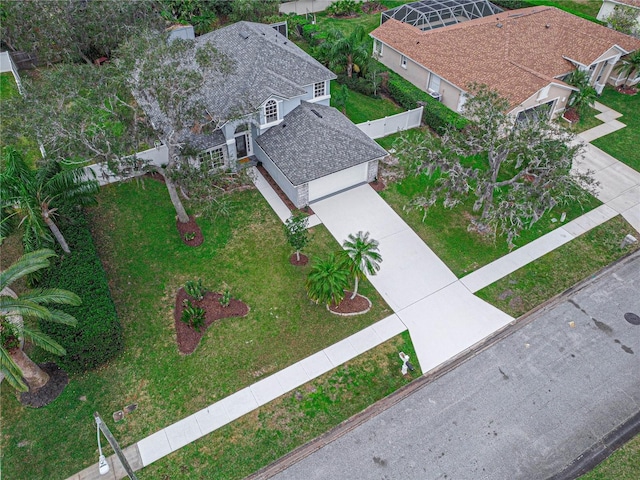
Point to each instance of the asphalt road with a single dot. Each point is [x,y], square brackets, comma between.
[524,408]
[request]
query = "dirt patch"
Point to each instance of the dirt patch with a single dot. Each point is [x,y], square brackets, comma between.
[58,379]
[302,261]
[571,115]
[627,90]
[378,185]
[348,306]
[189,338]
[190,232]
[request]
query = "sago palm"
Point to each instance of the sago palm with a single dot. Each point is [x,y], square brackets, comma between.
[14,363]
[327,280]
[363,257]
[31,198]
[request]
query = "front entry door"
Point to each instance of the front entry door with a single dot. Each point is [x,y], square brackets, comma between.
[243,147]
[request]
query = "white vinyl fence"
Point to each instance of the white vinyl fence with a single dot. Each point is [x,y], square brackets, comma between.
[7,65]
[393,124]
[156,156]
[300,7]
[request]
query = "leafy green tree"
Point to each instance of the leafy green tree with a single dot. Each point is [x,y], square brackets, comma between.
[327,280]
[199,13]
[34,196]
[169,81]
[253,10]
[295,228]
[516,170]
[585,96]
[624,19]
[630,64]
[345,53]
[74,30]
[363,257]
[340,97]
[14,363]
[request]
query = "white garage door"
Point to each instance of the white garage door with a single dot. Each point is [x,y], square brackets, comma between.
[337,181]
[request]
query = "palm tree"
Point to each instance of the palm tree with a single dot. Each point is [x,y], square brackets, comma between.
[363,255]
[346,52]
[586,95]
[34,196]
[14,363]
[629,65]
[327,280]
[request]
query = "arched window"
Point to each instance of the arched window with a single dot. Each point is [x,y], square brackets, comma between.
[271,111]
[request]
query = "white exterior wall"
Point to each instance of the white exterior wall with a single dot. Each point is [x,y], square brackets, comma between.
[283,182]
[558,94]
[330,184]
[155,156]
[607,8]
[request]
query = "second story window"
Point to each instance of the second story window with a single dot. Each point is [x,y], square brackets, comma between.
[271,111]
[318,90]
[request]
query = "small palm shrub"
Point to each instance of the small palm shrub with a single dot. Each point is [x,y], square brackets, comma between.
[225,299]
[192,315]
[195,289]
[328,280]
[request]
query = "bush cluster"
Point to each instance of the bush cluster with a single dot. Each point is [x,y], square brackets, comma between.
[357,84]
[98,337]
[435,114]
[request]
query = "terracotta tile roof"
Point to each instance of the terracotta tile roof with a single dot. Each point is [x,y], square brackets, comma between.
[517,52]
[631,3]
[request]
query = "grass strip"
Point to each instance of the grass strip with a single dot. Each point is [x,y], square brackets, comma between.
[550,275]
[266,434]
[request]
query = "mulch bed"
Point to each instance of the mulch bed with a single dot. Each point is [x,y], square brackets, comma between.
[293,260]
[373,7]
[281,194]
[627,90]
[58,379]
[571,115]
[378,185]
[359,304]
[187,228]
[188,338]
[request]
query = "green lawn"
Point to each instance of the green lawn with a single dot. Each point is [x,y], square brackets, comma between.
[360,108]
[8,87]
[270,432]
[587,8]
[146,263]
[587,120]
[560,269]
[623,464]
[622,144]
[445,230]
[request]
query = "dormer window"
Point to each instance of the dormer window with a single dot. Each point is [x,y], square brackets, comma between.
[271,111]
[319,89]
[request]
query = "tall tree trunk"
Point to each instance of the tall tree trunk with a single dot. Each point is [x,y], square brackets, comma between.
[349,66]
[175,199]
[355,289]
[33,375]
[55,230]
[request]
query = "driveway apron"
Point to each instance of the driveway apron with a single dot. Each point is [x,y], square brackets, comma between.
[443,317]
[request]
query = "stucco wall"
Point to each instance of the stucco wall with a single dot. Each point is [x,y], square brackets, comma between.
[556,92]
[284,183]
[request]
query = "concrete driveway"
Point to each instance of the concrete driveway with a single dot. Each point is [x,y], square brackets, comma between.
[524,408]
[443,317]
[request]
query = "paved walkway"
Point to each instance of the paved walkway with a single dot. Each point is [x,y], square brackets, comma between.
[441,313]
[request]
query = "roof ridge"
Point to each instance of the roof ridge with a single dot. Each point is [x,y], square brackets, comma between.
[540,75]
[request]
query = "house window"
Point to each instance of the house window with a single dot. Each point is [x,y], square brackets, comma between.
[271,111]
[318,89]
[403,61]
[434,83]
[377,47]
[212,159]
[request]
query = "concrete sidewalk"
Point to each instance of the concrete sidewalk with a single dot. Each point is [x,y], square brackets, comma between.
[443,316]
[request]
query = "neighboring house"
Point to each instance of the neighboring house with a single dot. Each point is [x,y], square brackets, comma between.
[522,54]
[608,6]
[272,78]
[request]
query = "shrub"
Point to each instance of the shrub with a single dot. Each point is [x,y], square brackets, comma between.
[435,114]
[342,8]
[357,84]
[192,315]
[98,335]
[225,299]
[195,289]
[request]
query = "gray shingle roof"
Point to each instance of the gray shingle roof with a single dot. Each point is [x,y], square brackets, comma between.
[267,63]
[314,140]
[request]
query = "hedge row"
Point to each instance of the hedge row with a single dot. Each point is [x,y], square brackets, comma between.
[98,337]
[435,114]
[561,5]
